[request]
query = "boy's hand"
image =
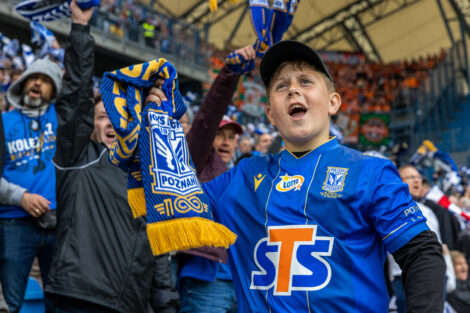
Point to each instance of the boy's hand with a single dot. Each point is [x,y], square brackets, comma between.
[36,205]
[241,60]
[80,16]
[248,52]
[156,95]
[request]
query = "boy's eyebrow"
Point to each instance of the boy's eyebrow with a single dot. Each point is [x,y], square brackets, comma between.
[280,78]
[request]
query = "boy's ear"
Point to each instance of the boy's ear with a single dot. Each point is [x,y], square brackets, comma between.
[269,114]
[335,103]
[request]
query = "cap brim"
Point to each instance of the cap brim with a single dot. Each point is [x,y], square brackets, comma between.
[289,50]
[236,126]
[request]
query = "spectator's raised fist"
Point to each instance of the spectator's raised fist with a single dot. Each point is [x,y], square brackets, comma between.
[80,16]
[156,95]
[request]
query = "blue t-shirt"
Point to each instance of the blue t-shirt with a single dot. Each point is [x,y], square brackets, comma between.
[30,145]
[313,231]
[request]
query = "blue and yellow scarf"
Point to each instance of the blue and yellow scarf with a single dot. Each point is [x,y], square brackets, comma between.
[150,144]
[269,24]
[50,10]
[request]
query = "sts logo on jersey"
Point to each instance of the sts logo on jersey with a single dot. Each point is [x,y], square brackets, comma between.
[290,182]
[292,258]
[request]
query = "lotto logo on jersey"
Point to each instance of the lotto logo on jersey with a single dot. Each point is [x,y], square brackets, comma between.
[290,182]
[292,258]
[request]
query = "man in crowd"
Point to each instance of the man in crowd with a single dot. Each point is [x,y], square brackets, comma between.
[102,259]
[245,145]
[27,187]
[212,141]
[3,304]
[263,142]
[410,176]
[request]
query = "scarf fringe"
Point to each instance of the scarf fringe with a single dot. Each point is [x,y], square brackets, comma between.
[136,200]
[186,233]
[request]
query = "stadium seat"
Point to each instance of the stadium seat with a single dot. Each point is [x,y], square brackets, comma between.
[34,298]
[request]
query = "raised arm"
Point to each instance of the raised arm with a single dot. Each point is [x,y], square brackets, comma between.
[204,127]
[75,103]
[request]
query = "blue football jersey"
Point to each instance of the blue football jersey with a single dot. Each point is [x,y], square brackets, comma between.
[313,231]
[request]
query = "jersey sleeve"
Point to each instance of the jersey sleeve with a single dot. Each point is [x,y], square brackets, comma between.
[395,216]
[220,185]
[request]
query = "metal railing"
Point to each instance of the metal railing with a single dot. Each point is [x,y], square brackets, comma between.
[185,56]
[439,100]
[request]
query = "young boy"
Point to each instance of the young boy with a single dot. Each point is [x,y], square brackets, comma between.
[314,221]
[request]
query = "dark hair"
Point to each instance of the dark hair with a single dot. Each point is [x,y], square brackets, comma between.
[243,156]
[97,99]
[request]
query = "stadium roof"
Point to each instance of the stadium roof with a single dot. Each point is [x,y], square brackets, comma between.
[386,30]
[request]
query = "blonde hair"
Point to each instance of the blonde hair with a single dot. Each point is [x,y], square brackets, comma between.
[455,254]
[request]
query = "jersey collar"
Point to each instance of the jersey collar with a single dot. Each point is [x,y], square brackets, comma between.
[330,144]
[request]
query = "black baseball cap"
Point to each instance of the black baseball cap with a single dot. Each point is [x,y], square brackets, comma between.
[289,50]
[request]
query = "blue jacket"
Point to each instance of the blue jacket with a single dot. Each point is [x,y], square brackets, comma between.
[30,144]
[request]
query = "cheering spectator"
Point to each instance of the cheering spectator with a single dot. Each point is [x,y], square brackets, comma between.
[102,258]
[3,304]
[28,202]
[212,141]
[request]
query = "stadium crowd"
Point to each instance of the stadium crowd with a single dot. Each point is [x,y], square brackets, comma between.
[40,97]
[137,22]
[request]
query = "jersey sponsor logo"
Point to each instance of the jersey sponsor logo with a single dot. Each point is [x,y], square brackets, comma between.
[170,156]
[258,179]
[288,183]
[334,181]
[412,210]
[415,213]
[290,259]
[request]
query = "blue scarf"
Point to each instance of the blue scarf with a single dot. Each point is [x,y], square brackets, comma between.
[269,24]
[151,146]
[50,10]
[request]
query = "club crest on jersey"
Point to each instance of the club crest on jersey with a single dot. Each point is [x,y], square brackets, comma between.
[334,181]
[292,258]
[171,169]
[288,183]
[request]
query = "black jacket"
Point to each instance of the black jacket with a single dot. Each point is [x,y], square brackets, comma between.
[102,254]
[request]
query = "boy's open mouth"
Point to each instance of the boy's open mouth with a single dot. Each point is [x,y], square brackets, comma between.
[297,110]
